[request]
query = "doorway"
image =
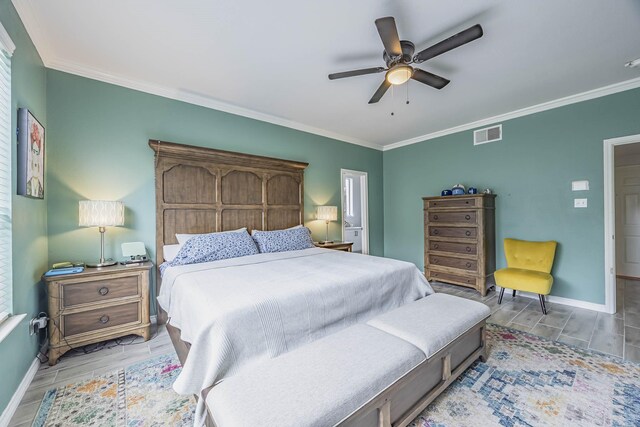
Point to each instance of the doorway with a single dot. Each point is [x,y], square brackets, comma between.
[622,218]
[355,209]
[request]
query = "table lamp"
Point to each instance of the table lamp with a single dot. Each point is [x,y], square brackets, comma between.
[327,213]
[101,214]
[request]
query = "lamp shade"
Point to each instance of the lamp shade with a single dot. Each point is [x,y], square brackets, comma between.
[327,213]
[101,213]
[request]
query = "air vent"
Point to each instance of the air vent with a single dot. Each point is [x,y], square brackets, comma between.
[490,134]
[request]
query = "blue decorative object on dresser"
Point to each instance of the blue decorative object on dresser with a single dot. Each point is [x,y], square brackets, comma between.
[292,239]
[446,193]
[458,190]
[473,190]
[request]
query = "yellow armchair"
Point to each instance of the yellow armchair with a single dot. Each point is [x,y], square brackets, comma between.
[528,268]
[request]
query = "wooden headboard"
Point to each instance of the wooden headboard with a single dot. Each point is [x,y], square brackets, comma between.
[202,190]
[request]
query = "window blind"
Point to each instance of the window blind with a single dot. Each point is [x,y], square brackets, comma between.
[5,185]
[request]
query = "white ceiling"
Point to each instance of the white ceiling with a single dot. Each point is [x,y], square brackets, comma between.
[270,60]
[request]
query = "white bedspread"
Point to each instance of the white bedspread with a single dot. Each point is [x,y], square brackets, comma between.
[240,311]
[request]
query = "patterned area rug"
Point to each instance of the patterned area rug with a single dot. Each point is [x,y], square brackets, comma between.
[527,381]
[531,381]
[139,395]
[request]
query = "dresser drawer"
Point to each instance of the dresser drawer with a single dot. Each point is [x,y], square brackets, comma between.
[458,248]
[452,278]
[101,318]
[461,232]
[464,217]
[453,202]
[99,290]
[461,263]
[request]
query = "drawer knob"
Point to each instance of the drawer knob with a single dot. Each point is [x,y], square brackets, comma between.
[436,231]
[103,290]
[468,265]
[435,260]
[436,246]
[468,248]
[435,217]
[104,319]
[467,217]
[468,233]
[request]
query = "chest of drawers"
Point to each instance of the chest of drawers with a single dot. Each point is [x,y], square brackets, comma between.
[459,240]
[96,305]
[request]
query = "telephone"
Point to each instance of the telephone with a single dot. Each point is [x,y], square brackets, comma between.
[134,253]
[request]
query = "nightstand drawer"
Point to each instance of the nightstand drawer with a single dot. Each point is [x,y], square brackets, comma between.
[101,318]
[99,290]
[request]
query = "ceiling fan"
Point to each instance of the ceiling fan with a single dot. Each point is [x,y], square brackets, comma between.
[398,55]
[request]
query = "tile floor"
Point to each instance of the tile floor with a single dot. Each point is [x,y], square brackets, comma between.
[617,335]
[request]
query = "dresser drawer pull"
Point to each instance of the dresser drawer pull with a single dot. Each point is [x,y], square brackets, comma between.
[436,231]
[468,248]
[467,217]
[103,290]
[468,233]
[104,319]
[436,246]
[435,260]
[435,217]
[468,265]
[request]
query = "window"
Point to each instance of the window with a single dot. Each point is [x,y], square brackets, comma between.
[6,283]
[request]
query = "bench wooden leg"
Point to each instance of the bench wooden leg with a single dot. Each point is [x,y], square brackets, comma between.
[384,415]
[501,295]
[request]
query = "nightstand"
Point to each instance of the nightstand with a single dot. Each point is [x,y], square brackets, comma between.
[339,246]
[97,305]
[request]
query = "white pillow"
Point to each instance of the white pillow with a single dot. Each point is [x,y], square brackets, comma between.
[182,238]
[169,252]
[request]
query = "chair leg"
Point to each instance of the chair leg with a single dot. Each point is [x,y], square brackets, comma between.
[514,293]
[542,305]
[501,294]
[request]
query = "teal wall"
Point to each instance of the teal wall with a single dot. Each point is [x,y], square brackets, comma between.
[28,89]
[98,149]
[531,171]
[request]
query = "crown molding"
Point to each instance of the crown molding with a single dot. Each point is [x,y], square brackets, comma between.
[560,102]
[203,101]
[34,29]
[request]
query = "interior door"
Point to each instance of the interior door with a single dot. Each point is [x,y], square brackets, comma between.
[628,221]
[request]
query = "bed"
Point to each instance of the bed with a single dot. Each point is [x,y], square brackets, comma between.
[228,315]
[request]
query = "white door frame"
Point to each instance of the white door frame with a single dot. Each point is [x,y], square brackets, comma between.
[364,204]
[610,219]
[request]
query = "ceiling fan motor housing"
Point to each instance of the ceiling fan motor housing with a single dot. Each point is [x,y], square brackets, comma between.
[407,54]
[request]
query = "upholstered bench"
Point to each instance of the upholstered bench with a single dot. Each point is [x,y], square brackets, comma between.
[380,372]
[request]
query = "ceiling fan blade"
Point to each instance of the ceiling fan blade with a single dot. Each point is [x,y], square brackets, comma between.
[463,37]
[389,35]
[380,92]
[356,73]
[429,78]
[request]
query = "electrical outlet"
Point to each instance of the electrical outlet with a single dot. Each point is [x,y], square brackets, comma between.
[579,203]
[36,324]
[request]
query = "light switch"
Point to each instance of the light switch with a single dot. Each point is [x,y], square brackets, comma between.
[579,185]
[579,203]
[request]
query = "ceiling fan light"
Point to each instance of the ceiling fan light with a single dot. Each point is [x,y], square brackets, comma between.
[399,74]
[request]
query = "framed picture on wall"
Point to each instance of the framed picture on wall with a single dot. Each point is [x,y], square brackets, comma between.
[30,155]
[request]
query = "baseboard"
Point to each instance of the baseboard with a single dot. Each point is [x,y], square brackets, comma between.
[8,412]
[561,300]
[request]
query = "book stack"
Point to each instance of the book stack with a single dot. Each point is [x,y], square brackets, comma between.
[62,268]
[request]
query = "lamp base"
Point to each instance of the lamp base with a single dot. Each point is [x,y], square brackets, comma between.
[105,263]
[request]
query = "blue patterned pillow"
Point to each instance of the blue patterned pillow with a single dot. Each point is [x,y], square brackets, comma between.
[213,247]
[291,239]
